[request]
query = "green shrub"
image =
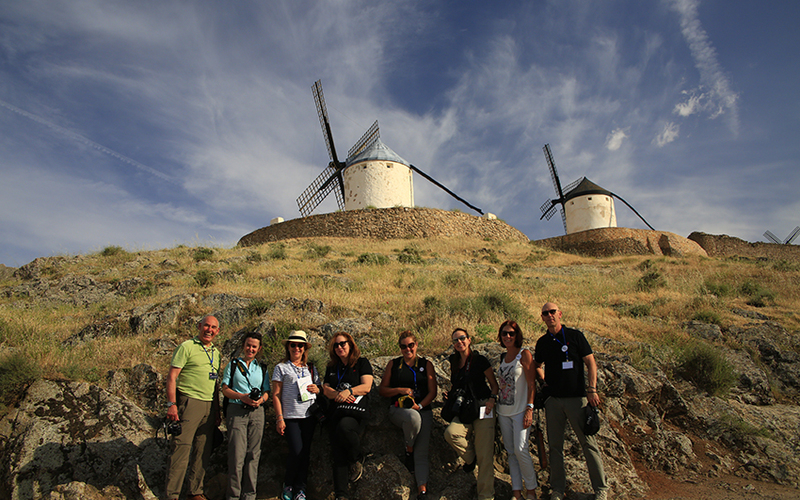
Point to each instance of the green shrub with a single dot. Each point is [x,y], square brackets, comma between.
[536,255]
[485,333]
[718,289]
[786,266]
[112,250]
[510,270]
[758,296]
[705,367]
[431,302]
[17,373]
[202,253]
[456,279]
[314,251]
[492,258]
[277,251]
[372,259]
[254,257]
[334,265]
[257,307]
[411,254]
[481,307]
[146,290]
[204,278]
[645,265]
[734,429]
[650,281]
[639,310]
[707,317]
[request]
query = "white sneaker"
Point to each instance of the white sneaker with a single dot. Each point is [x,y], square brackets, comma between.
[601,495]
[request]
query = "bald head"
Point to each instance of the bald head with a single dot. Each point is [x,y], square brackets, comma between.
[551,315]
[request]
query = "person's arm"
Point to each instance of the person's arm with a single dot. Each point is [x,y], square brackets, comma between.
[432,388]
[591,371]
[529,370]
[489,373]
[172,392]
[280,425]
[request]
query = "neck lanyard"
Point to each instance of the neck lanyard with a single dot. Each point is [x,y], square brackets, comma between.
[564,345]
[209,356]
[414,373]
[340,377]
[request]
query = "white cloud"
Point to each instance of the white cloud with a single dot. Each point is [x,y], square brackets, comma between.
[668,134]
[615,138]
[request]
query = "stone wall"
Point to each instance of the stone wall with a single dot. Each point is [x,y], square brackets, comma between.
[608,241]
[386,223]
[722,245]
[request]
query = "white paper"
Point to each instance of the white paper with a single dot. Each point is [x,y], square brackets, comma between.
[302,386]
[485,413]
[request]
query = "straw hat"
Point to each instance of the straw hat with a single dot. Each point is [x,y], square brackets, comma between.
[297,336]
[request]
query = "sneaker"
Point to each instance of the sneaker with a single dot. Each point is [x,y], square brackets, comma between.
[301,495]
[409,461]
[356,470]
[422,495]
[556,495]
[286,494]
[469,467]
[601,495]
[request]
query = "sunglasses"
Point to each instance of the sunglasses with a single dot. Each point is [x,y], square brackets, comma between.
[462,338]
[297,345]
[512,333]
[550,312]
[410,345]
[340,344]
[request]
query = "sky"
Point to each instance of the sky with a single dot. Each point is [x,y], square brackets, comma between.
[153,124]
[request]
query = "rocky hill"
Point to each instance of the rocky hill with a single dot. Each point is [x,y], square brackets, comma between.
[83,421]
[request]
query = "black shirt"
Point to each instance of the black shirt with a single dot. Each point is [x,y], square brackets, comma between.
[563,383]
[414,377]
[478,364]
[341,377]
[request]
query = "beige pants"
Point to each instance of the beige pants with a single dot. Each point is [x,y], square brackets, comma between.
[472,441]
[191,448]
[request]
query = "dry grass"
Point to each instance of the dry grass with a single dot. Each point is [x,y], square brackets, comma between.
[630,299]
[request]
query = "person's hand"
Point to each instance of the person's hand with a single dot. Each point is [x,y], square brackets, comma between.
[172,413]
[415,407]
[343,396]
[313,389]
[405,391]
[490,404]
[280,426]
[251,402]
[527,420]
[593,398]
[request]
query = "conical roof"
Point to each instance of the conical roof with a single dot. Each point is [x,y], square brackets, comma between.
[377,151]
[585,187]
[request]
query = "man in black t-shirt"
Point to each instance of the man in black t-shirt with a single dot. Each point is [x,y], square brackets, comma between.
[564,352]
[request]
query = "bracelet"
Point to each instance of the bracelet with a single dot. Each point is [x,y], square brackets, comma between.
[280,417]
[530,406]
[590,387]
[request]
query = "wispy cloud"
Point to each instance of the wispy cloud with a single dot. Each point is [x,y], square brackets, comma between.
[615,138]
[669,133]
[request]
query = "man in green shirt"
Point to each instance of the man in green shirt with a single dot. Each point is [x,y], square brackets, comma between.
[192,400]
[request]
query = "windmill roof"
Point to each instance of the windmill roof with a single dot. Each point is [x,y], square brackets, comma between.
[585,187]
[378,151]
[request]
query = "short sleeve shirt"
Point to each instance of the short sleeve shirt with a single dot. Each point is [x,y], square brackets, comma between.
[288,374]
[550,349]
[197,363]
[339,375]
[257,377]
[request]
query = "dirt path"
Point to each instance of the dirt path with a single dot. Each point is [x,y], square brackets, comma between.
[723,487]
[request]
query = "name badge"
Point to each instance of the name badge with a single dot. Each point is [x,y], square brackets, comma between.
[212,376]
[566,365]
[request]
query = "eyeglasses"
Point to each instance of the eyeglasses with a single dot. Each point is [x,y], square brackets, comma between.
[462,338]
[550,312]
[340,344]
[297,345]
[410,345]
[507,333]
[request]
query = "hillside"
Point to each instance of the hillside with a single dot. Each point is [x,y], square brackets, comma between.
[85,318]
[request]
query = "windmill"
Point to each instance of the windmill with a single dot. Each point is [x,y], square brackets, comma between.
[584,204]
[789,239]
[382,179]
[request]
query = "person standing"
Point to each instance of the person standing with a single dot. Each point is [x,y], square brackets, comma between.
[348,381]
[474,442]
[245,383]
[516,379]
[295,385]
[564,352]
[410,382]
[192,401]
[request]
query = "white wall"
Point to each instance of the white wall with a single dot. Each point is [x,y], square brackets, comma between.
[590,212]
[379,184]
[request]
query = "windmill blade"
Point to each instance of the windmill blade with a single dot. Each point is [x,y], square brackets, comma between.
[322,112]
[434,181]
[548,208]
[572,184]
[319,190]
[789,239]
[564,219]
[772,238]
[551,163]
[371,135]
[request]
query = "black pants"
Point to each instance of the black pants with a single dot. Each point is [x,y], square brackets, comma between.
[345,438]
[298,434]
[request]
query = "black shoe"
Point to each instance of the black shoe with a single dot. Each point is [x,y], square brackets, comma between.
[469,467]
[409,461]
[422,495]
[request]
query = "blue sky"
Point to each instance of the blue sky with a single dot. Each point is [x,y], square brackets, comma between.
[152,124]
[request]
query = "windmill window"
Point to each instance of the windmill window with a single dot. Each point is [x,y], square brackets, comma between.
[590,198]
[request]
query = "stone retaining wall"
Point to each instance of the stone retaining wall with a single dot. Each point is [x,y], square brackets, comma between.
[722,245]
[386,223]
[609,241]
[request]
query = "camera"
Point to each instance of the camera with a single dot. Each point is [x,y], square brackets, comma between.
[254,394]
[171,427]
[458,401]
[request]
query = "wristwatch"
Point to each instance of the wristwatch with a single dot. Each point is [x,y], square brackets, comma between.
[170,403]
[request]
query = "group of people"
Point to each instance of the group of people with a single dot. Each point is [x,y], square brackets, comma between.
[562,360]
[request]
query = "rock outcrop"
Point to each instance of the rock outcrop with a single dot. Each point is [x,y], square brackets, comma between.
[610,241]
